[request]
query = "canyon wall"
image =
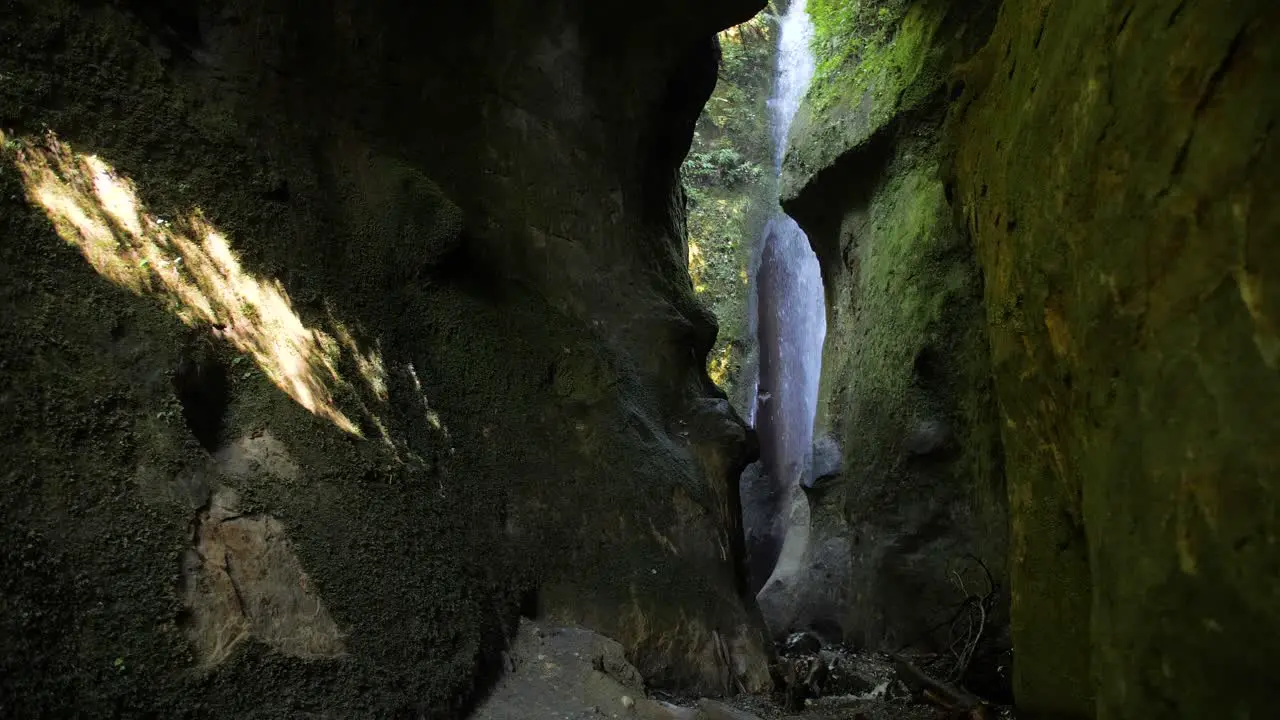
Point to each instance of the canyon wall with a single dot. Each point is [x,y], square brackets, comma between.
[1059,212]
[1116,166]
[335,336]
[905,392]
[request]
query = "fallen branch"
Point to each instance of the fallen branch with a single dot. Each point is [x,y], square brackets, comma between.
[944,695]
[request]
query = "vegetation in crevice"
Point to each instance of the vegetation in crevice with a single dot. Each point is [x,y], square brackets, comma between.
[731,187]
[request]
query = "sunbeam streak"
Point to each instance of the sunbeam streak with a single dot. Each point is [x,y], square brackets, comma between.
[192,265]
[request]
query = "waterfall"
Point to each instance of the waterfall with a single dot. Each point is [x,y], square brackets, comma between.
[788,313]
[793,74]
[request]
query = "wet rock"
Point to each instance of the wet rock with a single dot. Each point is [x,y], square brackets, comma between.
[760,524]
[827,462]
[675,712]
[570,673]
[809,590]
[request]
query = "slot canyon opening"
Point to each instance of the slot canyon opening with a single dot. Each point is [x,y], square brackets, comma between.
[353,364]
[774,321]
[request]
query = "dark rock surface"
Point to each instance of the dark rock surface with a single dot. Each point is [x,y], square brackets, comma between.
[809,590]
[827,462]
[762,524]
[566,673]
[436,251]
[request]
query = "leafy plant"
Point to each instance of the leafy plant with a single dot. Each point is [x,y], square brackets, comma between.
[729,181]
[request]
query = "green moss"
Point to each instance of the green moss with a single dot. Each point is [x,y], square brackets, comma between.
[877,60]
[906,286]
[1109,171]
[873,48]
[905,346]
[731,190]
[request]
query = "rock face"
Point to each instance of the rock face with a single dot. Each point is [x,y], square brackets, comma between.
[905,391]
[1125,222]
[435,252]
[1064,210]
[810,587]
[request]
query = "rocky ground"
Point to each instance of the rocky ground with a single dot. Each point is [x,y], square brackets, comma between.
[565,673]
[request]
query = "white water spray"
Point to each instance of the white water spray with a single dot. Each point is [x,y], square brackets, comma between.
[788,310]
[794,73]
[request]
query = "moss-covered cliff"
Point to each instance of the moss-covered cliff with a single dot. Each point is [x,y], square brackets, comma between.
[905,388]
[334,335]
[1116,168]
[1103,168]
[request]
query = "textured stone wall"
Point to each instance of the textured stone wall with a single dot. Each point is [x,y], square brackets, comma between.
[1116,167]
[918,507]
[335,334]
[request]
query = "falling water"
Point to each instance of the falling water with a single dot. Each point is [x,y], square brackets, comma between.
[795,70]
[788,312]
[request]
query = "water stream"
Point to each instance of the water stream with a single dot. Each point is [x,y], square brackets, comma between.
[792,76]
[788,310]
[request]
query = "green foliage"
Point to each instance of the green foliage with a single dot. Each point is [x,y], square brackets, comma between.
[729,180]
[724,167]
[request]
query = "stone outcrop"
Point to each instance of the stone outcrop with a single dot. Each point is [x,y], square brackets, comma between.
[436,251]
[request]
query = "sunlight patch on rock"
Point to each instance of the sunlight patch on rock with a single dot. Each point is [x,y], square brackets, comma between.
[192,265]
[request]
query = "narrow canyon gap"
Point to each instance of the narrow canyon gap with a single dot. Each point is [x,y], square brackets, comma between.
[787,315]
[338,337]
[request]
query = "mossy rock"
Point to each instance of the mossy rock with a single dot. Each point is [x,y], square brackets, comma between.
[877,60]
[1111,169]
